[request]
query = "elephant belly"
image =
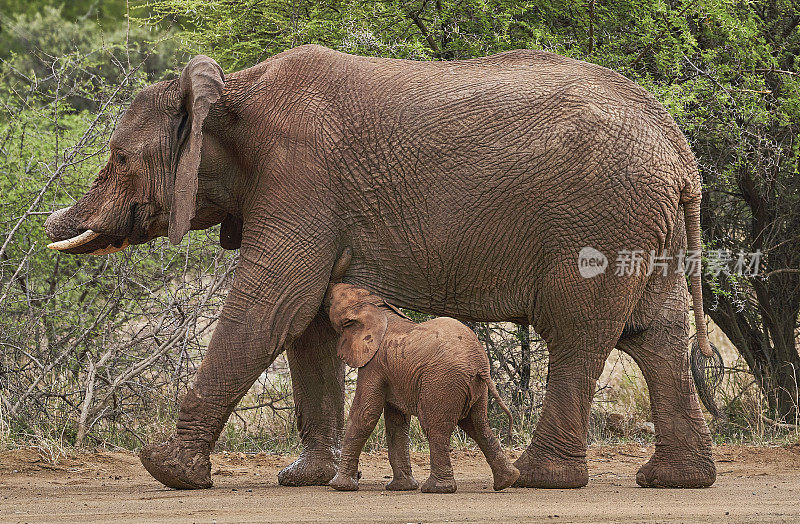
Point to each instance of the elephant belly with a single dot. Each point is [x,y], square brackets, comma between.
[402,405]
[478,207]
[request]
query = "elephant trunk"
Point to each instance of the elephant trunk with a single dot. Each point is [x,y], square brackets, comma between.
[341,265]
[337,273]
[65,228]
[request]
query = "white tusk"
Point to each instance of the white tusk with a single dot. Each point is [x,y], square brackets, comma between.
[86,236]
[110,249]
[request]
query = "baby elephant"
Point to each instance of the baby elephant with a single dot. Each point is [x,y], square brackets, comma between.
[436,370]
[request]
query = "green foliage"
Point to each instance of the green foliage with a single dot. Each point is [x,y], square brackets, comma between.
[62,93]
[726,70]
[241,33]
[74,59]
[106,12]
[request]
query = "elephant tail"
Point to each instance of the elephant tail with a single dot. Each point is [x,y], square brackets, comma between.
[705,359]
[493,390]
[691,214]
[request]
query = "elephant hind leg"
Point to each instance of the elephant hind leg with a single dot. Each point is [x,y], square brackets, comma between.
[581,319]
[556,456]
[441,479]
[476,425]
[397,427]
[438,415]
[682,458]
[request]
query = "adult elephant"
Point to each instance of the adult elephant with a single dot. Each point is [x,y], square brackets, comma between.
[464,188]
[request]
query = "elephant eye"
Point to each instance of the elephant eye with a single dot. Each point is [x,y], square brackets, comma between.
[120,159]
[349,322]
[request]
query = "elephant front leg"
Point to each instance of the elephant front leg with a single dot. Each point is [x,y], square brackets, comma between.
[274,299]
[364,414]
[232,363]
[397,427]
[318,385]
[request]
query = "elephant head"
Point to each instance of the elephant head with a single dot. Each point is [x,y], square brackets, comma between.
[149,187]
[361,318]
[357,315]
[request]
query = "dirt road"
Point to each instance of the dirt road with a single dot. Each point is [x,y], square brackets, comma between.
[754,484]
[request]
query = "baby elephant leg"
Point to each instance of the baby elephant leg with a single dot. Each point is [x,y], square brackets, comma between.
[438,417]
[397,426]
[365,411]
[441,479]
[476,425]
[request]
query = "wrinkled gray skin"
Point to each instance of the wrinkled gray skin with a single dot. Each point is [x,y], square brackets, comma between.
[465,189]
[437,371]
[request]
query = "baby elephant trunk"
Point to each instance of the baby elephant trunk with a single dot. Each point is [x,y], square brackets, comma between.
[341,265]
[503,406]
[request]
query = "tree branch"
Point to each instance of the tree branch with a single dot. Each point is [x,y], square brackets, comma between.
[424,30]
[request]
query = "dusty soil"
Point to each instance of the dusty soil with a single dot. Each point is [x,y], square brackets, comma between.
[754,484]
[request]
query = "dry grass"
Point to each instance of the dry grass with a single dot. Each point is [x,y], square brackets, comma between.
[265,420]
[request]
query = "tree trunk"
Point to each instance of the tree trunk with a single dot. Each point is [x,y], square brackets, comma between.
[784,394]
[524,371]
[767,342]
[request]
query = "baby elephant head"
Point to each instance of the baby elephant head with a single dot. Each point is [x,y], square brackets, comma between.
[359,317]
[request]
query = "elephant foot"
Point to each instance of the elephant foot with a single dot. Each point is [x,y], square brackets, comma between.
[434,485]
[538,470]
[176,466]
[505,477]
[308,470]
[343,482]
[402,484]
[687,471]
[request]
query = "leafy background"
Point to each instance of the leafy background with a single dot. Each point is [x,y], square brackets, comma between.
[97,350]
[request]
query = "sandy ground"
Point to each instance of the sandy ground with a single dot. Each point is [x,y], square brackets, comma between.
[754,484]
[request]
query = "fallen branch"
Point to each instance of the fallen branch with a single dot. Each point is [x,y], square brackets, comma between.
[779,425]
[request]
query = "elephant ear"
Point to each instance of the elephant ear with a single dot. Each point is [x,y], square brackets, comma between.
[201,86]
[396,310]
[363,330]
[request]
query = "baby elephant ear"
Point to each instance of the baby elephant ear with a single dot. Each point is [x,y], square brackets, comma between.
[396,310]
[362,333]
